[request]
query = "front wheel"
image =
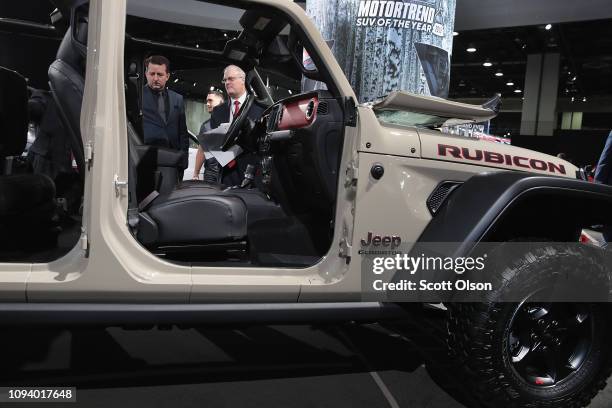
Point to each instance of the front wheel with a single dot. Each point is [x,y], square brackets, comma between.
[530,353]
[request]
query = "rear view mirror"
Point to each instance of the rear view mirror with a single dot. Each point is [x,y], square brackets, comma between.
[302,56]
[307,62]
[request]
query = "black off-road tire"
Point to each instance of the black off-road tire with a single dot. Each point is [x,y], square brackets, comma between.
[479,334]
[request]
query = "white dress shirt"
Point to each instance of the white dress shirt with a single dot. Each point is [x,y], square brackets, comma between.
[241,100]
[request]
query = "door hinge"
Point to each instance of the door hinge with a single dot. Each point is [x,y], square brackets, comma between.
[88,152]
[352,172]
[346,249]
[119,184]
[84,242]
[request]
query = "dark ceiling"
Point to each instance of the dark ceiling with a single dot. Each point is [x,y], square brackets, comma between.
[585,48]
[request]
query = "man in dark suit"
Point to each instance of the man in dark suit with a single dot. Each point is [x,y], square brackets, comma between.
[234,80]
[213,99]
[163,110]
[603,175]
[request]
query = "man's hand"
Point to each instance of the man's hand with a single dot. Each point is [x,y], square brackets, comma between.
[195,177]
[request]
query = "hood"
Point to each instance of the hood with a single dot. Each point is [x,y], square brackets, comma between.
[440,146]
[420,113]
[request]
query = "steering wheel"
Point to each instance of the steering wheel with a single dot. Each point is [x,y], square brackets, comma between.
[233,133]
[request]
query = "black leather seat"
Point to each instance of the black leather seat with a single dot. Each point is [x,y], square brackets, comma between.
[192,215]
[67,83]
[26,200]
[204,215]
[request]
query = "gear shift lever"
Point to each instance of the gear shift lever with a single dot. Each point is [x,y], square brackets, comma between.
[249,176]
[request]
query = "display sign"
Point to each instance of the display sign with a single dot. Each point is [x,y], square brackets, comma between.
[384,46]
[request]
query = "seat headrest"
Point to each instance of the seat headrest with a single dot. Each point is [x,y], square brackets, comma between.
[68,53]
[13,113]
[73,49]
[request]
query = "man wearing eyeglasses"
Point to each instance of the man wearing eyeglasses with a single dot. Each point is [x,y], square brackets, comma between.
[235,86]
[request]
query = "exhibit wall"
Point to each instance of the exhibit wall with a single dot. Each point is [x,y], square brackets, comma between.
[384,46]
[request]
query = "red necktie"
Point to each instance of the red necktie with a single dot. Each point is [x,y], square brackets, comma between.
[236,109]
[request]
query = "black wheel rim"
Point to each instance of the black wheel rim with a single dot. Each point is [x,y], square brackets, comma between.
[548,342]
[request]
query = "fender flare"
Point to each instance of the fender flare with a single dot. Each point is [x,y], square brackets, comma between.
[475,208]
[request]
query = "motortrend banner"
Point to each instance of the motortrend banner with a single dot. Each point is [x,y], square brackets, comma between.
[384,46]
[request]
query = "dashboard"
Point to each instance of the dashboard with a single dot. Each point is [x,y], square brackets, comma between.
[296,112]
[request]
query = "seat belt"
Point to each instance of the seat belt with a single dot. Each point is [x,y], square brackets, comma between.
[133,211]
[148,200]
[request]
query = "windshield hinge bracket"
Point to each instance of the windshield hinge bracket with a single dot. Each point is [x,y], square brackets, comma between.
[350,112]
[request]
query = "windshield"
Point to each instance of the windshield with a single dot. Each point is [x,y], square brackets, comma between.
[410,119]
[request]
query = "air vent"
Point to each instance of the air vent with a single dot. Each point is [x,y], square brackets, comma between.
[323,108]
[440,194]
[310,109]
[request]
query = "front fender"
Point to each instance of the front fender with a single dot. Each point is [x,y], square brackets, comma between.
[477,210]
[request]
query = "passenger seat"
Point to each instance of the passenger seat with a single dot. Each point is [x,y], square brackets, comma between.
[27,202]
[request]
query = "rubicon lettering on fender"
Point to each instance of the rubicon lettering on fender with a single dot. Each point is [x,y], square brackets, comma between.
[477,155]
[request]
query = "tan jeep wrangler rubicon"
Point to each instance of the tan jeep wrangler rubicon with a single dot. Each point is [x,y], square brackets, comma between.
[138,246]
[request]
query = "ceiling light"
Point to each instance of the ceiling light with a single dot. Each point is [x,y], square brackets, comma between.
[455,33]
[487,64]
[212,88]
[517,91]
[290,93]
[176,80]
[499,74]
[471,49]
[197,45]
[225,34]
[548,26]
[584,99]
[574,78]
[195,83]
[510,83]
[573,99]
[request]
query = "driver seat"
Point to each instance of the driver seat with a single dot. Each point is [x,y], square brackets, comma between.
[186,217]
[27,203]
[196,216]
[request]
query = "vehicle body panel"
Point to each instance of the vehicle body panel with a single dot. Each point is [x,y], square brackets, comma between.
[440,146]
[109,265]
[115,267]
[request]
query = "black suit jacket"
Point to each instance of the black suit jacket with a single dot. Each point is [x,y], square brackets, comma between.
[603,173]
[221,113]
[172,133]
[234,175]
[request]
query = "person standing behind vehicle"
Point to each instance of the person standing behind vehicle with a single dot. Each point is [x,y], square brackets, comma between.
[164,122]
[603,175]
[213,99]
[234,79]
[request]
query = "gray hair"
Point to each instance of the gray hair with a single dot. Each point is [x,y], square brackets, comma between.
[235,68]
